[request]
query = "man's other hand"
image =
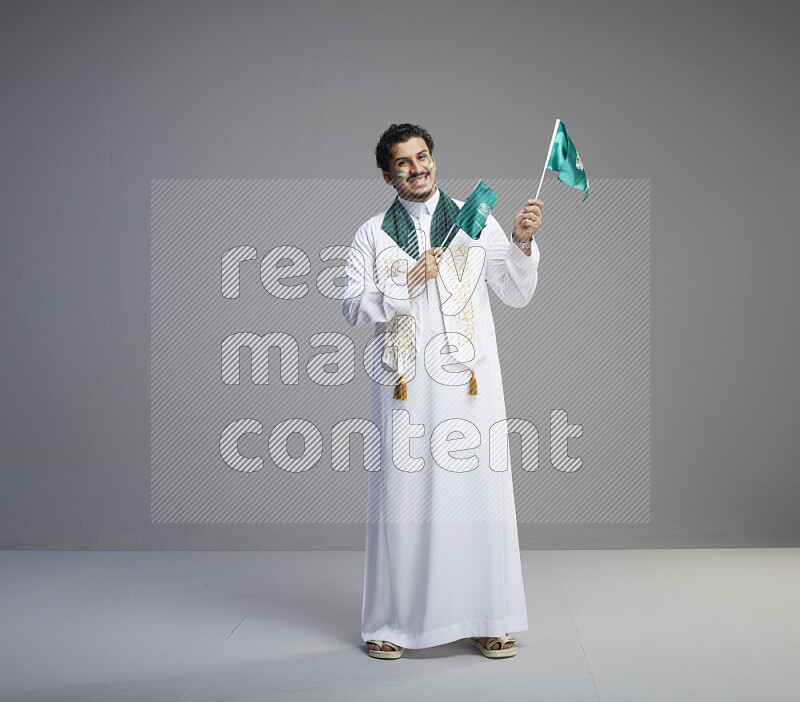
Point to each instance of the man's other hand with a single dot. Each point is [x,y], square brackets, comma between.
[426,267]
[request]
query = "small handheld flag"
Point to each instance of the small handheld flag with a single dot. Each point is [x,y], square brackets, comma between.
[564,159]
[471,218]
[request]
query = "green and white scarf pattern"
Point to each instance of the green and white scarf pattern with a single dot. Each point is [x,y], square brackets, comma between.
[456,282]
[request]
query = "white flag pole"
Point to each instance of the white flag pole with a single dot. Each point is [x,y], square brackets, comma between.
[547,160]
[447,238]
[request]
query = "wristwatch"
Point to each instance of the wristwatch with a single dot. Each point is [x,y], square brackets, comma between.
[520,244]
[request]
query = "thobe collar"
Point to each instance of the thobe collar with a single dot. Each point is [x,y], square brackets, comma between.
[397,222]
[417,208]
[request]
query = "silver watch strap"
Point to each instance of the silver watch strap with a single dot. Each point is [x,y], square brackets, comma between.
[521,244]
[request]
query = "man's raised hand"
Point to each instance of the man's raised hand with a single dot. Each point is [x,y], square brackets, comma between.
[528,220]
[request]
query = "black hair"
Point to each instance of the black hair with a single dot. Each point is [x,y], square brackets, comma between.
[397,134]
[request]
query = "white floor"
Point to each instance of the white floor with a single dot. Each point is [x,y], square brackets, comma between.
[697,624]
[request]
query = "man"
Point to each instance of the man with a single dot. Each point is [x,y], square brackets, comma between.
[442,557]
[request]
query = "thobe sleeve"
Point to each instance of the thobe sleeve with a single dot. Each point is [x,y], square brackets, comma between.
[509,272]
[366,299]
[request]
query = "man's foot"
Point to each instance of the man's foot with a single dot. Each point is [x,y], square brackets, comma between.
[384,649]
[496,645]
[490,646]
[375,647]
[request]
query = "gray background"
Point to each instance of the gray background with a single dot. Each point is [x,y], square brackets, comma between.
[100,98]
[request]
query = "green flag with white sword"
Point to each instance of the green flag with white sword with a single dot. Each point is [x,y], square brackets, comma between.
[563,158]
[471,218]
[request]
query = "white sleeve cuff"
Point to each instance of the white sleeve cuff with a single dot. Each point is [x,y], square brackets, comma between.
[519,261]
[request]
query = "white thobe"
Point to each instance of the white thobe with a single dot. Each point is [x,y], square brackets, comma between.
[442,558]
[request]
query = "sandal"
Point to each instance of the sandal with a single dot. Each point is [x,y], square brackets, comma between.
[380,653]
[501,652]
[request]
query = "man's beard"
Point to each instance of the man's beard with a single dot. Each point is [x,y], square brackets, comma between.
[420,196]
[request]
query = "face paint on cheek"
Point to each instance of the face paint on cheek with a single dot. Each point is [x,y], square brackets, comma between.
[401,175]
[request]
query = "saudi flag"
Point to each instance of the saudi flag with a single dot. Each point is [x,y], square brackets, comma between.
[564,159]
[471,218]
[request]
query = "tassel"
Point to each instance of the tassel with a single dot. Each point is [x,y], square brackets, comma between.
[400,389]
[473,384]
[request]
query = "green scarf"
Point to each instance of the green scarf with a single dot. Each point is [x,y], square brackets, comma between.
[397,223]
[400,227]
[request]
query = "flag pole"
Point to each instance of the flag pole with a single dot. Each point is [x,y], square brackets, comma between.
[447,238]
[547,160]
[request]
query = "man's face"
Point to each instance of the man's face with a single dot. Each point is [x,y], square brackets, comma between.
[412,170]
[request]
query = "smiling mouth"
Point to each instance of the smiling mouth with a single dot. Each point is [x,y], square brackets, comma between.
[419,180]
